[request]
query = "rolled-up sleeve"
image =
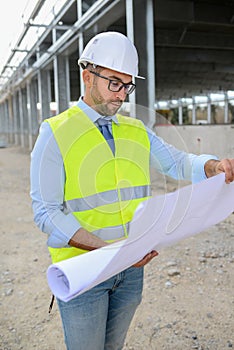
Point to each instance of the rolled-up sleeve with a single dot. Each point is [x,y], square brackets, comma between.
[47,190]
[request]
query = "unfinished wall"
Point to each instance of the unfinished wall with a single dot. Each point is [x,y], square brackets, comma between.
[211,139]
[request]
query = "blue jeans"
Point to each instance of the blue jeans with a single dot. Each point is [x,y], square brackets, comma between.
[99,319]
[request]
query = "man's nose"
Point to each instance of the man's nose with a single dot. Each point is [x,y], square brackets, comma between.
[121,94]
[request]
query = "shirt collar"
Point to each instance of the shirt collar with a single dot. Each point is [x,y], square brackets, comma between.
[92,114]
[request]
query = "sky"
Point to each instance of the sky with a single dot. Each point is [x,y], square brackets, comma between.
[13,15]
[11,24]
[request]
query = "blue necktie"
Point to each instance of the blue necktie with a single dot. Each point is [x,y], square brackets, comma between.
[103,124]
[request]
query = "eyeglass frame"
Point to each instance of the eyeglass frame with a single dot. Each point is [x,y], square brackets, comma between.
[133,86]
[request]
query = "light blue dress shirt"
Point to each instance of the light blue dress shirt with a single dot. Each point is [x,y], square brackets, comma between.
[48,177]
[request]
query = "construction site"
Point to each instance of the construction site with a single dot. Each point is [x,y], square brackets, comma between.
[185,50]
[186,55]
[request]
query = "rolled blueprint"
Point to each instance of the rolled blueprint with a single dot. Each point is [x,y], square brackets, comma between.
[157,223]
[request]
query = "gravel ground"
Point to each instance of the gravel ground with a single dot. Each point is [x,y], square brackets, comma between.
[188,295]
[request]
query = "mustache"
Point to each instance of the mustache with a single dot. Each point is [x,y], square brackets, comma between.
[116,101]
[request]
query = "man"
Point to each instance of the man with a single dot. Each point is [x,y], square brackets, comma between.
[89,171]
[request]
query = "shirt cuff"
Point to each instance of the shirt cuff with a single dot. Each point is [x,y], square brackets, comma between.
[198,173]
[65,226]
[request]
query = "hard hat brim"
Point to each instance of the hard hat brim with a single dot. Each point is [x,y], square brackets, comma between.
[83,63]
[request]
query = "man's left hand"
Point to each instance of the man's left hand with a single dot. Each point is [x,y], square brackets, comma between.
[215,167]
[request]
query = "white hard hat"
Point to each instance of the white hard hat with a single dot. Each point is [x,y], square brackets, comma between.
[111,50]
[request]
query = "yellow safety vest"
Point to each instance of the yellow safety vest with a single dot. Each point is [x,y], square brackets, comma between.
[102,190]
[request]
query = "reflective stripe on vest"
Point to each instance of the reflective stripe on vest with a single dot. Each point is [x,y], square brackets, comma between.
[103,198]
[112,233]
[101,190]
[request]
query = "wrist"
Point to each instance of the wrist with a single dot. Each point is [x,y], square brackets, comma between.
[211,167]
[85,240]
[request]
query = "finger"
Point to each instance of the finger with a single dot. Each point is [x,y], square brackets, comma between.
[147,258]
[227,165]
[230,176]
[154,253]
[141,263]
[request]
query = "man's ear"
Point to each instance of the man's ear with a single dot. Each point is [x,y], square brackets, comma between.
[87,78]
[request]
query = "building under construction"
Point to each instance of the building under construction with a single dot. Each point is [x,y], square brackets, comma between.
[186,49]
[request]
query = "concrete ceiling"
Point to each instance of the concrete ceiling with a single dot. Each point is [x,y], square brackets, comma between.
[194,46]
[194,43]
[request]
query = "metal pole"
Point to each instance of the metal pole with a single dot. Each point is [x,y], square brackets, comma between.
[225,108]
[194,112]
[21,118]
[130,35]
[180,112]
[29,112]
[39,83]
[150,61]
[208,109]
[68,81]
[81,45]
[56,88]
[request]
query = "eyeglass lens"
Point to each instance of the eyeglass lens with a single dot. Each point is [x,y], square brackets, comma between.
[115,85]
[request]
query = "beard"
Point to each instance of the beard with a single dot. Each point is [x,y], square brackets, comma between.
[105,107]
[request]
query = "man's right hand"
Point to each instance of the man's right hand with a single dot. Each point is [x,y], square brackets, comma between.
[147,258]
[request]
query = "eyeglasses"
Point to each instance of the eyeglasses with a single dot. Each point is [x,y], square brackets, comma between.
[116,85]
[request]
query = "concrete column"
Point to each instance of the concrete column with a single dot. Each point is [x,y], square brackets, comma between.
[144,41]
[194,112]
[3,118]
[34,110]
[3,124]
[226,108]
[61,83]
[23,117]
[16,124]
[44,94]
[6,120]
[180,107]
[10,119]
[150,60]
[130,34]
[81,45]
[29,115]
[208,109]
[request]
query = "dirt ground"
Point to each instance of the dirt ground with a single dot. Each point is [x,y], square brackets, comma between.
[188,295]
